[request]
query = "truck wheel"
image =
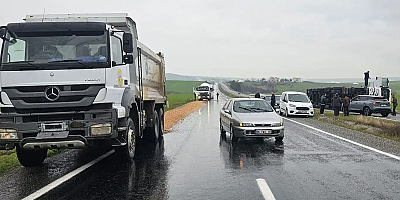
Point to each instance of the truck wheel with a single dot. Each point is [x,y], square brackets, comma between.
[385,114]
[31,158]
[366,111]
[129,150]
[153,133]
[161,117]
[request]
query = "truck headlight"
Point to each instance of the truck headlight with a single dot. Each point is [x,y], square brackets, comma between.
[246,124]
[291,105]
[100,129]
[8,134]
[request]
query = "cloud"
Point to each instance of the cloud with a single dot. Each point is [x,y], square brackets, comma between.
[310,39]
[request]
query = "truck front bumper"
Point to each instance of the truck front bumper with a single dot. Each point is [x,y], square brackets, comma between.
[59,129]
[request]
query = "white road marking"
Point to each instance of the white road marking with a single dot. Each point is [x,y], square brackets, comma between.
[347,140]
[266,192]
[66,177]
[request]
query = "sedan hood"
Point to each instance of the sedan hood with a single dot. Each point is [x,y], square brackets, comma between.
[259,117]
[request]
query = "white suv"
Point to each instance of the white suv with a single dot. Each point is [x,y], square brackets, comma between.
[296,103]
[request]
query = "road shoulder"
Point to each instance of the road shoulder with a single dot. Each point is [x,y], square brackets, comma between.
[383,144]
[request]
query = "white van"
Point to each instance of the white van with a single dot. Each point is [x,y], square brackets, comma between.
[296,103]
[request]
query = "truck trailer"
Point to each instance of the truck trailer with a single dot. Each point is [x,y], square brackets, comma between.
[75,81]
[379,87]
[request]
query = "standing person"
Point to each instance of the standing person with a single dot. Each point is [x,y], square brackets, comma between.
[336,103]
[257,95]
[394,105]
[217,96]
[346,103]
[194,93]
[366,77]
[323,104]
[273,101]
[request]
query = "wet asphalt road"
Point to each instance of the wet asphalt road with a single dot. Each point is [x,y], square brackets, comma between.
[194,162]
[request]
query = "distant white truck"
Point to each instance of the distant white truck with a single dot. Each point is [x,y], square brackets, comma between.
[78,80]
[204,91]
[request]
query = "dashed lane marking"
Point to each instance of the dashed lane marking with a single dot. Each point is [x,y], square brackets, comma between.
[266,192]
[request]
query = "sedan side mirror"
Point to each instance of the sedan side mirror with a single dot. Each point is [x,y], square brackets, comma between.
[227,111]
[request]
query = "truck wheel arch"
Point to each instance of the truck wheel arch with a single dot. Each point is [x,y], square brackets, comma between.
[128,100]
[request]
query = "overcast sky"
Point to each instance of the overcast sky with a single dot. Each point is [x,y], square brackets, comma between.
[299,38]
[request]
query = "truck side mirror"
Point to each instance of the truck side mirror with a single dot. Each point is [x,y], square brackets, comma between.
[128,59]
[128,43]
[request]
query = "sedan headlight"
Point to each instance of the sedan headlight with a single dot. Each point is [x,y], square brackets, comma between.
[311,107]
[8,134]
[291,105]
[100,129]
[277,124]
[246,124]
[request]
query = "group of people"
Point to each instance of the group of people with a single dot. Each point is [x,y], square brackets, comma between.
[273,98]
[337,102]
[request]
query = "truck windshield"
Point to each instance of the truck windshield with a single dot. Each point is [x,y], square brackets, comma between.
[55,51]
[203,88]
[299,98]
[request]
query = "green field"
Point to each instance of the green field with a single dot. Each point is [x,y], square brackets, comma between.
[181,87]
[180,92]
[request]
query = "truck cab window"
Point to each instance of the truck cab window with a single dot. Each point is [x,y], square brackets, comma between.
[16,52]
[117,55]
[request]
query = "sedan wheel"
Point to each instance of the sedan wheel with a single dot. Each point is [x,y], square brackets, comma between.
[367,111]
[233,138]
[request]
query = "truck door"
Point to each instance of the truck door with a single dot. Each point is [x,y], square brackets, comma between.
[118,75]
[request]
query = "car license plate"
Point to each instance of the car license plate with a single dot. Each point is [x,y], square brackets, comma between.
[263,131]
[383,105]
[51,135]
[302,111]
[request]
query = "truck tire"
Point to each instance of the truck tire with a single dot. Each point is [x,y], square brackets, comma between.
[128,151]
[153,133]
[161,117]
[31,158]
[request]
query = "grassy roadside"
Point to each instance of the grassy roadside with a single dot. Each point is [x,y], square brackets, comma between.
[9,160]
[176,100]
[370,125]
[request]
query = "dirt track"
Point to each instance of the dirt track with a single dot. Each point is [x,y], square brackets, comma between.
[173,116]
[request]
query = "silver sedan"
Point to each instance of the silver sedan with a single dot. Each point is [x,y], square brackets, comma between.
[250,118]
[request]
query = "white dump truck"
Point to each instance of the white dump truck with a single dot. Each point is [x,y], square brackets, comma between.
[204,91]
[78,80]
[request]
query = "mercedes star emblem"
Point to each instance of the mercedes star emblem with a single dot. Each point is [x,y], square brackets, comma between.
[51,74]
[52,93]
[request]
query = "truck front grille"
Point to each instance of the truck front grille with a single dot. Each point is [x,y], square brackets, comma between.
[65,96]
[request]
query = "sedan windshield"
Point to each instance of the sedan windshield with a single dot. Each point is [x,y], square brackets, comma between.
[33,51]
[247,106]
[299,98]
